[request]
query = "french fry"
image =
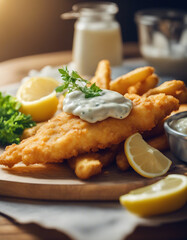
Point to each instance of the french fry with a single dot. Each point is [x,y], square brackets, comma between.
[108,156]
[169,88]
[160,142]
[86,165]
[121,161]
[102,76]
[182,96]
[90,164]
[143,86]
[121,84]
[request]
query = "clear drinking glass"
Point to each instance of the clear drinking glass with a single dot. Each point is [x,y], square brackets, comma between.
[163,40]
[97,35]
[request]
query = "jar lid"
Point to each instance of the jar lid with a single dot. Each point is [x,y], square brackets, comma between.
[91,8]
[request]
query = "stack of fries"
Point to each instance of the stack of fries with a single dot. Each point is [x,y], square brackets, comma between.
[139,82]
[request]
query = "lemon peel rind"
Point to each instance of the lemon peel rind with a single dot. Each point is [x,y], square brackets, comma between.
[43,108]
[137,168]
[164,192]
[42,99]
[163,203]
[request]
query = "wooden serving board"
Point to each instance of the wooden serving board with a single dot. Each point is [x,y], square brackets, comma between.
[58,182]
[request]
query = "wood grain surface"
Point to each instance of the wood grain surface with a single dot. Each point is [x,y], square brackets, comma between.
[14,70]
[38,181]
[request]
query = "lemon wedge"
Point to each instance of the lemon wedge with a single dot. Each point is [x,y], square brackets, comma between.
[164,196]
[38,98]
[144,159]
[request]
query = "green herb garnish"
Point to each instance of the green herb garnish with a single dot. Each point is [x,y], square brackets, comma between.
[12,121]
[73,82]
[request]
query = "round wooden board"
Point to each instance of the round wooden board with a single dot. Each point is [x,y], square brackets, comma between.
[58,182]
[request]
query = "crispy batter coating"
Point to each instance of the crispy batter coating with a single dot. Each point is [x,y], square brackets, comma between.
[121,159]
[66,136]
[28,132]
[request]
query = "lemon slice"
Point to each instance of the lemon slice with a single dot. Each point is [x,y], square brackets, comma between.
[144,159]
[164,196]
[38,98]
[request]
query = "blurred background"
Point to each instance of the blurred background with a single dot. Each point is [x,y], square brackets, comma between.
[30,27]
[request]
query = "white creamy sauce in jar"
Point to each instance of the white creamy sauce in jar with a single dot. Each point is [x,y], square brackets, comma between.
[180,125]
[93,42]
[108,104]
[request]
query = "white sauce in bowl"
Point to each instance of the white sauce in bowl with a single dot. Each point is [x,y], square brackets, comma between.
[109,104]
[180,125]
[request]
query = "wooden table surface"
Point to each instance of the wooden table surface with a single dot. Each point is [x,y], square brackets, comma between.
[11,72]
[14,70]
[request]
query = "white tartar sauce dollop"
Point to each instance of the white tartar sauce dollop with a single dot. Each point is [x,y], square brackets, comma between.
[180,125]
[108,104]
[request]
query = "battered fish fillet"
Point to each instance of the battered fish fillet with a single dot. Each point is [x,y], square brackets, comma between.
[28,132]
[66,136]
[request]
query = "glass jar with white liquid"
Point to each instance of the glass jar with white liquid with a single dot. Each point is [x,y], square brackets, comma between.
[97,36]
[163,40]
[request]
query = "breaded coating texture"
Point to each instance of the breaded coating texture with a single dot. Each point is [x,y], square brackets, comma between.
[66,136]
[28,132]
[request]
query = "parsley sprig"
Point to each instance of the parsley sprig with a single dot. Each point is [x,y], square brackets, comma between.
[12,121]
[73,81]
